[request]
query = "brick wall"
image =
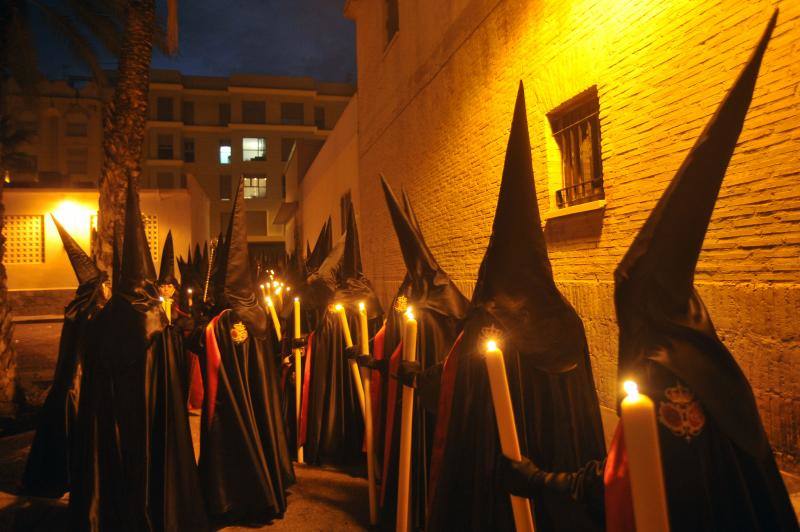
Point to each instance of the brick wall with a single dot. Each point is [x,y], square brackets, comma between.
[434,114]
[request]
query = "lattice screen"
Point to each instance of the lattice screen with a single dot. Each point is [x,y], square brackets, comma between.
[151,232]
[24,238]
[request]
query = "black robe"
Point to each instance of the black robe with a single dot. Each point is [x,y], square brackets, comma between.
[244,461]
[47,471]
[134,467]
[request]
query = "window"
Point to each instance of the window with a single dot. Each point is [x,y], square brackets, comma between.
[77,161]
[76,129]
[25,164]
[255,187]
[254,112]
[392,19]
[576,129]
[24,236]
[225,187]
[254,149]
[188,150]
[164,109]
[256,222]
[187,112]
[165,180]
[165,146]
[286,149]
[283,187]
[292,113]
[151,233]
[345,204]
[225,151]
[224,114]
[319,117]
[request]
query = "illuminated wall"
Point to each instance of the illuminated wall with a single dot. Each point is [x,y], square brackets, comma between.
[435,108]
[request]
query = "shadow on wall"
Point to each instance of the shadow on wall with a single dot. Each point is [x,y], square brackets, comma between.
[576,231]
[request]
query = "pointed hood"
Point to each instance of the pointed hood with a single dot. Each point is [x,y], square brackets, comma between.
[238,282]
[515,285]
[83,266]
[188,255]
[409,210]
[661,316]
[137,265]
[322,247]
[166,273]
[351,259]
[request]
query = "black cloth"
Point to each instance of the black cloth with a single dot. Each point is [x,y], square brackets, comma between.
[134,465]
[244,461]
[47,470]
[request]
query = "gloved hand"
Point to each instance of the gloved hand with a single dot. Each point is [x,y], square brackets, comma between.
[368,361]
[352,352]
[407,373]
[520,478]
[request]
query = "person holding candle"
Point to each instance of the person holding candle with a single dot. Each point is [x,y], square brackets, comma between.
[718,468]
[517,304]
[439,308]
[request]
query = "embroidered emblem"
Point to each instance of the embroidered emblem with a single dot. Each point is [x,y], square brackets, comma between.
[401,304]
[239,333]
[681,413]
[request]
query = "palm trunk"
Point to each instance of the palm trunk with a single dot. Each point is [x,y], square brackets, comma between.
[124,125]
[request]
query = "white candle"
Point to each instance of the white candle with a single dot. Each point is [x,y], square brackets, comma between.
[506,427]
[642,446]
[348,341]
[363,336]
[274,315]
[166,304]
[189,291]
[406,426]
[297,380]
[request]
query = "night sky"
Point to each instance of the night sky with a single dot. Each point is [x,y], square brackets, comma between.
[221,37]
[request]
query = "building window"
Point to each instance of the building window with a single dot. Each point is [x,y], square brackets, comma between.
[255,187]
[292,113]
[225,187]
[187,112]
[164,144]
[576,129]
[77,161]
[25,163]
[225,151]
[256,222]
[188,150]
[254,112]
[392,19]
[24,238]
[224,114]
[286,149]
[77,129]
[254,149]
[164,109]
[283,187]
[319,117]
[165,180]
[345,204]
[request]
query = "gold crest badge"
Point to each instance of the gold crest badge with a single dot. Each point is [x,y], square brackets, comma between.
[401,304]
[239,333]
[681,413]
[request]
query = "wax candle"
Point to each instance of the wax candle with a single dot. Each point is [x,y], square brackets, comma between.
[166,304]
[363,336]
[406,425]
[263,290]
[189,292]
[274,315]
[356,374]
[297,379]
[506,427]
[642,446]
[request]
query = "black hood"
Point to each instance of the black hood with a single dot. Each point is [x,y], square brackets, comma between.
[166,272]
[515,286]
[661,317]
[136,269]
[83,266]
[322,247]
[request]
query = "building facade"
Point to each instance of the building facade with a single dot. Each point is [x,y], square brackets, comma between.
[617,93]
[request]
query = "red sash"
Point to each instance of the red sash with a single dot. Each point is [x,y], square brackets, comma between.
[391,406]
[301,436]
[616,479]
[213,361]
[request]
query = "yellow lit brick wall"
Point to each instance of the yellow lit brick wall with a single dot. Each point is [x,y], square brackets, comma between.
[434,113]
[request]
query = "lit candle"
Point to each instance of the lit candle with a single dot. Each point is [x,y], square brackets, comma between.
[640,431]
[297,380]
[506,427]
[263,290]
[274,316]
[348,341]
[189,291]
[166,304]
[406,419]
[363,336]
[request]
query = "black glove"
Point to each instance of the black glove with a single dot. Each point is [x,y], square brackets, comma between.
[299,343]
[519,478]
[367,361]
[352,352]
[407,373]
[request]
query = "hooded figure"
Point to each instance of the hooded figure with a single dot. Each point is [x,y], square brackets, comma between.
[719,470]
[516,303]
[134,467]
[332,426]
[439,308]
[244,461]
[47,472]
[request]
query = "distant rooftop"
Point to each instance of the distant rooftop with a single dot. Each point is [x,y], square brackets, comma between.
[251,80]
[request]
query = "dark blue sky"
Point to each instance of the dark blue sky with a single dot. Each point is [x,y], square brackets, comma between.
[220,37]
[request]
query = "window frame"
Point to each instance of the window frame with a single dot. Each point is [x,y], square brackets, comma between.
[259,182]
[188,141]
[225,187]
[161,155]
[225,143]
[168,116]
[260,151]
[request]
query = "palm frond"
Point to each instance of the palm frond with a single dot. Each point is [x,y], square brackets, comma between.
[103,19]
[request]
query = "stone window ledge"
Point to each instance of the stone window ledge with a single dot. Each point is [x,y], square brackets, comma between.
[575,209]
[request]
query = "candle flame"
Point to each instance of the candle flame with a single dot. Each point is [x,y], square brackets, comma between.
[161,299]
[338,307]
[288,288]
[631,389]
[491,345]
[297,299]
[268,300]
[410,313]
[361,305]
[189,290]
